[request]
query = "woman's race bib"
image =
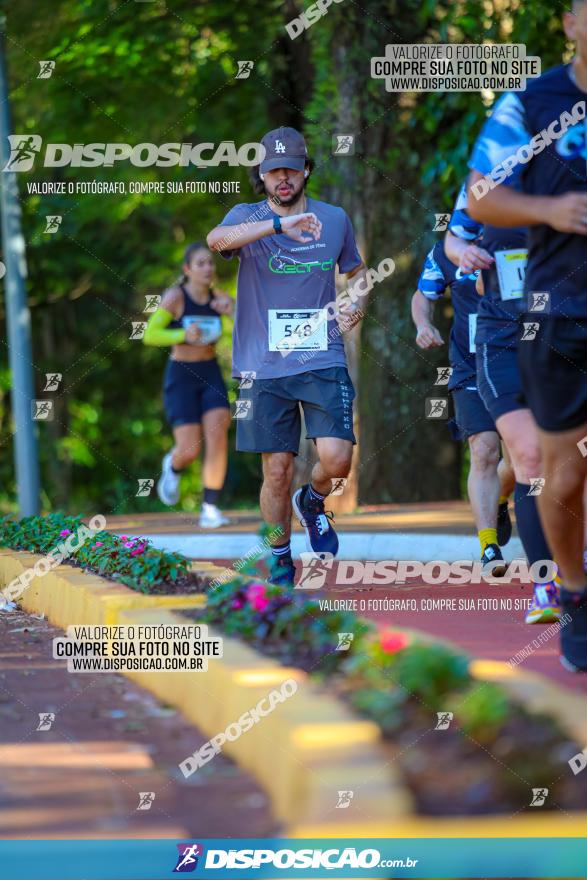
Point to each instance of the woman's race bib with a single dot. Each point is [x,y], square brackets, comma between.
[210,326]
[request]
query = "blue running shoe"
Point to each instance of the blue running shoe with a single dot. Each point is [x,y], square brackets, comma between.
[574,631]
[282,571]
[320,536]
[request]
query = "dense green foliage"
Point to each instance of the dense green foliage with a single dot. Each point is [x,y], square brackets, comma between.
[153,72]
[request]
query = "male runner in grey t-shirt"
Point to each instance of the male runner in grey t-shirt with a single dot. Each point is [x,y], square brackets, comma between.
[287,343]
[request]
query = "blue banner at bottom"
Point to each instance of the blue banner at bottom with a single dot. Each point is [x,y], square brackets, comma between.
[225,859]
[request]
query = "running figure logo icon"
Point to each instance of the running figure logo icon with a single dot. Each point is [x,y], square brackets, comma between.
[46,68]
[344,641]
[436,408]
[247,378]
[187,859]
[244,69]
[152,302]
[344,799]
[338,484]
[138,329]
[444,374]
[536,485]
[343,145]
[42,410]
[23,149]
[315,567]
[441,222]
[444,719]
[539,796]
[539,301]
[243,409]
[146,799]
[529,332]
[46,719]
[53,222]
[145,487]
[52,381]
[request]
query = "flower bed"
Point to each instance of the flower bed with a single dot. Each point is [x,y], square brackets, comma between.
[488,759]
[126,560]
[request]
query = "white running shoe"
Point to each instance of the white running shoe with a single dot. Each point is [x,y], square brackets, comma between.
[168,483]
[211,517]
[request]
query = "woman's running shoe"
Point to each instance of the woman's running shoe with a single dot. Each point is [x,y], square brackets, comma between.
[211,517]
[546,604]
[168,483]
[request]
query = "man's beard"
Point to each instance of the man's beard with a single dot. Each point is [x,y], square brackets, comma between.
[289,200]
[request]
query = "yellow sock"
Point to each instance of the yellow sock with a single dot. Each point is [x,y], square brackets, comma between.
[503,499]
[487,536]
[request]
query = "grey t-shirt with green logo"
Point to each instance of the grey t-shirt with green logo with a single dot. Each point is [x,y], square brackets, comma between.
[282,326]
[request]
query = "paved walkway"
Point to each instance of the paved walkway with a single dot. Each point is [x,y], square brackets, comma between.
[431,517]
[420,532]
[476,627]
[109,741]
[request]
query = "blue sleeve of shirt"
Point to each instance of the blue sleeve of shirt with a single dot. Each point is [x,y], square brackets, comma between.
[349,257]
[461,224]
[503,134]
[432,281]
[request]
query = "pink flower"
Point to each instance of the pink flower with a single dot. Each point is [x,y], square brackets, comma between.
[257,597]
[236,604]
[129,545]
[98,544]
[123,538]
[64,532]
[138,550]
[392,642]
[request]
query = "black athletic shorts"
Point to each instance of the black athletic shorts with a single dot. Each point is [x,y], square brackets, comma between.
[192,388]
[272,422]
[553,368]
[498,376]
[471,416]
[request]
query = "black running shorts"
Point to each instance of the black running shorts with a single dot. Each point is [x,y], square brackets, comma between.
[270,419]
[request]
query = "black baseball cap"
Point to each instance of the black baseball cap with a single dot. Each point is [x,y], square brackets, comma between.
[284,148]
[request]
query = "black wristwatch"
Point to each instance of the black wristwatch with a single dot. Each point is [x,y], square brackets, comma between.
[277,224]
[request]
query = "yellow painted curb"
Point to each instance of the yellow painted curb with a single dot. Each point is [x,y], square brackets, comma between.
[303,753]
[539,824]
[311,746]
[68,596]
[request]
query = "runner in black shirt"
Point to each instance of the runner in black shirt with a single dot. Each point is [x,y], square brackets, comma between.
[540,135]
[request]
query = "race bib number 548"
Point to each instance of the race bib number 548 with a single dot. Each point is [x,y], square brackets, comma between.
[305,330]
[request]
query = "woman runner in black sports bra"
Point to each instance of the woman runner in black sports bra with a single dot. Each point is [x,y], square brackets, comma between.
[196,403]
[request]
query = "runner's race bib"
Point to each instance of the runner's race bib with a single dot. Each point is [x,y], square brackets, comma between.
[210,327]
[472,331]
[511,271]
[305,330]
